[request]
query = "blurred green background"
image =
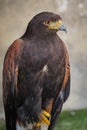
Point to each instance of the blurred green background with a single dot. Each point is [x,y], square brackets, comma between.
[14,17]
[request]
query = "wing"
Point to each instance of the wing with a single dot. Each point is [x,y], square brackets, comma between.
[58,104]
[62,96]
[10,70]
[10,75]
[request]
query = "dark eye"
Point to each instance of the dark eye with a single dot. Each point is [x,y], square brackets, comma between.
[46,22]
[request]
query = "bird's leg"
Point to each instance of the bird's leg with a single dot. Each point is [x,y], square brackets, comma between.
[48,107]
[44,116]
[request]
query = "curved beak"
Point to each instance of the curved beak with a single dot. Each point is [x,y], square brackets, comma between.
[56,26]
[63,28]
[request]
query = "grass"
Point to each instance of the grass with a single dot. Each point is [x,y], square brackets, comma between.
[2,124]
[68,120]
[72,120]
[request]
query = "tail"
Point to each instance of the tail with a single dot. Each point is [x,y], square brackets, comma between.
[10,117]
[10,110]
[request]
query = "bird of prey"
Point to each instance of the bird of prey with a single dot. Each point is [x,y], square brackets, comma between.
[36,75]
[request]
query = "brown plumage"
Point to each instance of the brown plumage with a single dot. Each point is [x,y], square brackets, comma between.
[36,74]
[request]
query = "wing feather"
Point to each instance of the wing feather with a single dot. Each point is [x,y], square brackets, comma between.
[10,70]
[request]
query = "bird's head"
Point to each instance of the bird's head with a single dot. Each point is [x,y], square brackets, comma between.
[45,23]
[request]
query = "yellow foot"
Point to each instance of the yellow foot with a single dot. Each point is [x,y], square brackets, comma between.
[43,118]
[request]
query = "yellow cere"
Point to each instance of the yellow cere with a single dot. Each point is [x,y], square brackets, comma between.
[55,25]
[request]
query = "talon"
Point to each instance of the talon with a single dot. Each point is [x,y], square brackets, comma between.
[38,124]
[42,117]
[46,113]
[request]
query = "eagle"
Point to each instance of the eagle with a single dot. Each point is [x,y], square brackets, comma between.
[36,75]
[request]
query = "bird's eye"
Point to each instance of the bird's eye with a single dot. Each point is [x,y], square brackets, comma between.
[46,22]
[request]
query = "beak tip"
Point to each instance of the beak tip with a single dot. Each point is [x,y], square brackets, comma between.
[63,28]
[65,31]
